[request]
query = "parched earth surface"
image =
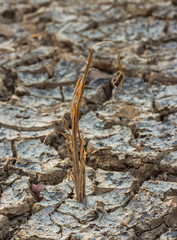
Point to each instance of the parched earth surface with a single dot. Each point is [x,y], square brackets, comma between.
[130,136]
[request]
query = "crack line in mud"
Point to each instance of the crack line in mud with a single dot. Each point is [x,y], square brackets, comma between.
[22,128]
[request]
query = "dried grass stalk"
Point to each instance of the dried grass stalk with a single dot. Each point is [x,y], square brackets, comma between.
[77,141]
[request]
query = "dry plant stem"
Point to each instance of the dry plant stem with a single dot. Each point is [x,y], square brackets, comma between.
[78,174]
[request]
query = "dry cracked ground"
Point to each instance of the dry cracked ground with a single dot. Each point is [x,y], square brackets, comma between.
[130,137]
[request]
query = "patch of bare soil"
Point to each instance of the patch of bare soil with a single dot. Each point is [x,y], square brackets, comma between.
[129,136]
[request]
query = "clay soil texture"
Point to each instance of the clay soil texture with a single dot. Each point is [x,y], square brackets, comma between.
[130,136]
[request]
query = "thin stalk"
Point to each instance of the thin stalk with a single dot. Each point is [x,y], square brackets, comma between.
[78,175]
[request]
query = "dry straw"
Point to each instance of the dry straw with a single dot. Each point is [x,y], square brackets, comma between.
[76,139]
